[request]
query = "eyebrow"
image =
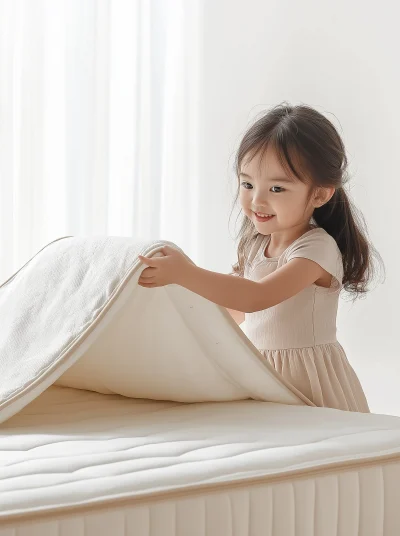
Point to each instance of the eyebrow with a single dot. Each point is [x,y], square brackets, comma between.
[277,179]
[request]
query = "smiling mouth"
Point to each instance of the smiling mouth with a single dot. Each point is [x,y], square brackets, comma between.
[263,218]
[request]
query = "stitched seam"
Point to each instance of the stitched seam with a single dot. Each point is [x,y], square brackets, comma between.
[329,343]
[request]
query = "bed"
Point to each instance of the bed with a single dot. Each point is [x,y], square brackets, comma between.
[75,462]
[129,411]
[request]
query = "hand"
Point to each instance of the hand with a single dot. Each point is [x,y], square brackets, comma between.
[171,268]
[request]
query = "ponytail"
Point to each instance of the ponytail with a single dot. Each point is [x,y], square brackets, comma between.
[340,218]
[309,147]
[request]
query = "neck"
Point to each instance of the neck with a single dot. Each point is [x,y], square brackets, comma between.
[280,240]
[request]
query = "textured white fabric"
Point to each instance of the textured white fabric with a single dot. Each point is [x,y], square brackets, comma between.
[75,315]
[237,466]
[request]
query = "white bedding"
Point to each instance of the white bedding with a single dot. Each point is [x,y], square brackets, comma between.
[75,315]
[225,446]
[72,457]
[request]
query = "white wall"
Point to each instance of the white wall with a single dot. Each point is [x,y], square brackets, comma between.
[339,57]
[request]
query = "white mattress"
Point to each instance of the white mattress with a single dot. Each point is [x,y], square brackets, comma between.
[75,462]
[75,315]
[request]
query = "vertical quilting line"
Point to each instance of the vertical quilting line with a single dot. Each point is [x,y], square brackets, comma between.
[248,512]
[231,513]
[205,516]
[58,527]
[294,509]
[314,504]
[337,479]
[125,522]
[272,532]
[359,501]
[249,499]
[230,516]
[176,524]
[300,493]
[382,471]
[149,524]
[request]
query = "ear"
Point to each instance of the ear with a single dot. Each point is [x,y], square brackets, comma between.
[322,195]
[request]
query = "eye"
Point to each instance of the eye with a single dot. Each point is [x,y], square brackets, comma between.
[280,187]
[243,183]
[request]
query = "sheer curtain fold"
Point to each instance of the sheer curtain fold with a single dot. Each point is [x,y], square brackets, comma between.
[99,122]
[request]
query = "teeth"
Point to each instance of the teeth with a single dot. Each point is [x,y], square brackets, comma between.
[263,215]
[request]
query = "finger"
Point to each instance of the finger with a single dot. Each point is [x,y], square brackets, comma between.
[146,278]
[142,259]
[149,271]
[167,250]
[148,261]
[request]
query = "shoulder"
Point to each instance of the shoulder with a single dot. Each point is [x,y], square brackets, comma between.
[319,246]
[316,238]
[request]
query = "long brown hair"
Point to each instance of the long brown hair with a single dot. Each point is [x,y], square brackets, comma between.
[310,148]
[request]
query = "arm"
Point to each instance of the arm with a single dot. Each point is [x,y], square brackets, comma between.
[248,296]
[238,316]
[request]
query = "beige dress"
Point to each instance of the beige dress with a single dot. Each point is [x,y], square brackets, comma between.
[298,336]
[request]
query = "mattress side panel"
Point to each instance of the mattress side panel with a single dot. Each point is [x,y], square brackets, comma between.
[347,502]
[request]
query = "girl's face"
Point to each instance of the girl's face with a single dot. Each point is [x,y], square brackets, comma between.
[265,187]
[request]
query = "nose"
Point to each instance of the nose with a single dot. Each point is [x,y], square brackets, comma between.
[259,201]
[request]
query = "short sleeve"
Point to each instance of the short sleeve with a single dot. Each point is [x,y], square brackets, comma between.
[253,251]
[320,247]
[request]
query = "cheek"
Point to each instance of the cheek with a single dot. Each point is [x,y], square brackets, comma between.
[296,206]
[245,202]
[244,197]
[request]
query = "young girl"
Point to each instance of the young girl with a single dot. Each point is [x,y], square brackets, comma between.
[300,245]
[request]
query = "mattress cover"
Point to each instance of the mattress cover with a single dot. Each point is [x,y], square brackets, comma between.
[72,448]
[75,315]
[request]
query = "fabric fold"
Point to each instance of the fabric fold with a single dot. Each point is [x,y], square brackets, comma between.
[322,373]
[75,315]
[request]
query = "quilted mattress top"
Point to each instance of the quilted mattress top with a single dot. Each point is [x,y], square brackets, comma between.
[71,447]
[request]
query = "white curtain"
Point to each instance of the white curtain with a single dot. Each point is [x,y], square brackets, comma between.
[99,122]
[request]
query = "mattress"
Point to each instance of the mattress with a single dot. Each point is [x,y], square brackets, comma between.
[75,316]
[148,412]
[75,462]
